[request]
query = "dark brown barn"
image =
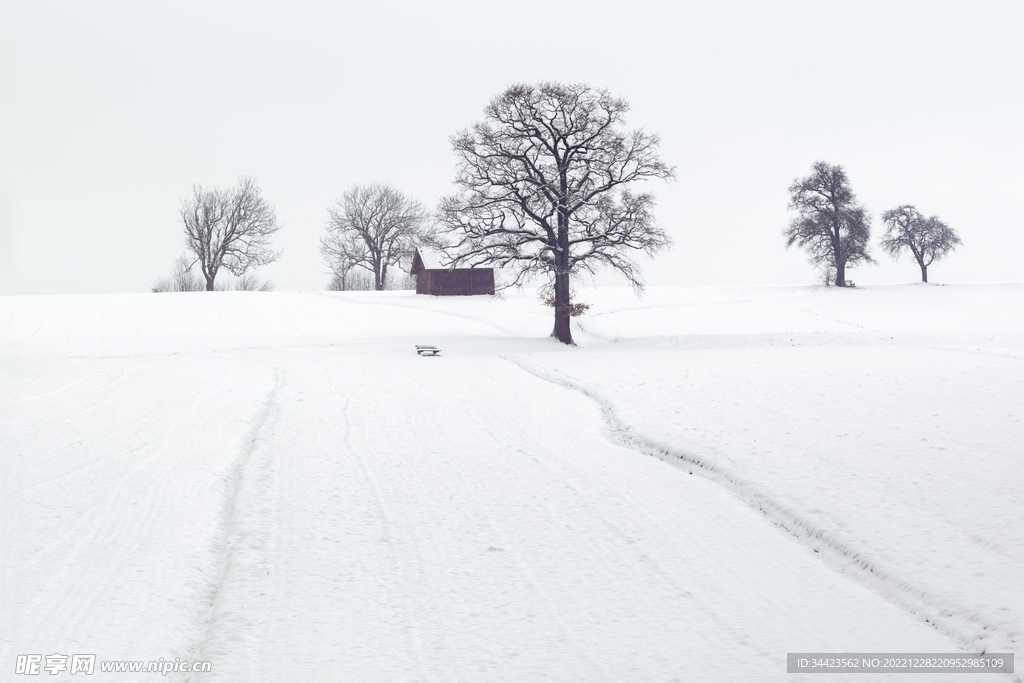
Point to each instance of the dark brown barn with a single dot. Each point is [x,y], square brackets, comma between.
[432,279]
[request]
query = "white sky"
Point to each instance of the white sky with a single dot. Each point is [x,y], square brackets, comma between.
[111,110]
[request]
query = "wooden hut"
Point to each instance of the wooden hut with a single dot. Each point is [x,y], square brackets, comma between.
[431,278]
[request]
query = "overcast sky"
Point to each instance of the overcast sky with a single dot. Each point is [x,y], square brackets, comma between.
[111,110]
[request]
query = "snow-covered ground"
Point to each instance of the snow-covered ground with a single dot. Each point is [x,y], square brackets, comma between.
[276,483]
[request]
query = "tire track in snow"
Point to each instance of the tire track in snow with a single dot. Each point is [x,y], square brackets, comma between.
[396,566]
[223,625]
[68,550]
[972,629]
[505,534]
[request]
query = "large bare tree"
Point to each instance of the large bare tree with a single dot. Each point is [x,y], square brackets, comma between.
[371,226]
[928,239]
[830,225]
[544,189]
[229,229]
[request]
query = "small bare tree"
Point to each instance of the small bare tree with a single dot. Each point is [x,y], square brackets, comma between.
[373,227]
[250,282]
[342,252]
[827,273]
[338,284]
[830,224]
[229,229]
[928,239]
[361,280]
[400,281]
[182,278]
[543,189]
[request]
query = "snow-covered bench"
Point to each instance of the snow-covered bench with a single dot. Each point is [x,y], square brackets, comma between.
[427,350]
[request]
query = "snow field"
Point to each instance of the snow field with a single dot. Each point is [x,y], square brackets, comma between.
[906,444]
[276,483]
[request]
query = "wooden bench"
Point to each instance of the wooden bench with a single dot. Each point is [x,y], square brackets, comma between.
[427,350]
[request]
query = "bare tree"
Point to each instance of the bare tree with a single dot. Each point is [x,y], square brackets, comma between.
[229,229]
[830,224]
[928,239]
[182,278]
[400,281]
[374,227]
[250,282]
[341,250]
[544,190]
[827,273]
[351,281]
[361,280]
[161,285]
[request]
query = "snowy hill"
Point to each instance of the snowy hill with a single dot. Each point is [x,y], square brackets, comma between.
[277,484]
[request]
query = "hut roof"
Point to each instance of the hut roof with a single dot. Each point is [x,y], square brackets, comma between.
[425,259]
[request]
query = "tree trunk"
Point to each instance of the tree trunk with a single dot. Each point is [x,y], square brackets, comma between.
[209,284]
[840,275]
[924,272]
[563,298]
[562,331]
[837,242]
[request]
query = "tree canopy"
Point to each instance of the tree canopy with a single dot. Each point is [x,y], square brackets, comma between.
[374,227]
[229,229]
[544,188]
[830,225]
[927,239]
